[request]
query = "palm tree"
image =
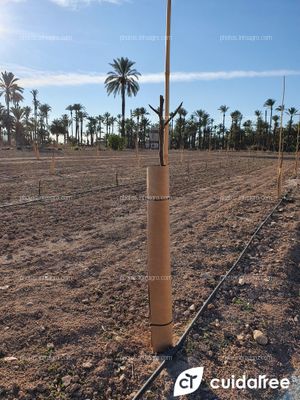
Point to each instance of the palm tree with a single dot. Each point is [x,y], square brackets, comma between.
[36,104]
[18,114]
[223,109]
[66,123]
[27,112]
[71,109]
[144,124]
[44,116]
[45,109]
[291,112]
[269,103]
[92,128]
[137,114]
[100,121]
[199,114]
[81,116]
[9,87]
[182,114]
[276,119]
[236,117]
[205,122]
[122,80]
[2,121]
[77,108]
[106,117]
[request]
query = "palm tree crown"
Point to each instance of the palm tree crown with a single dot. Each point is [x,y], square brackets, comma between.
[122,80]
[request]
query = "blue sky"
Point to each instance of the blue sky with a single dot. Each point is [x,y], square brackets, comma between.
[231,52]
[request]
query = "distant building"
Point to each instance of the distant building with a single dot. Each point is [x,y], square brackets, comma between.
[153,139]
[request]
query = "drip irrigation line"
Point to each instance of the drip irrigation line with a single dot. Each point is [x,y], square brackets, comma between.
[64,197]
[171,353]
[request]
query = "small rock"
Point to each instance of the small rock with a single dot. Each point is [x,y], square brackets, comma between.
[85,301]
[29,304]
[240,337]
[73,388]
[50,346]
[4,287]
[210,306]
[66,380]
[296,319]
[122,377]
[87,365]
[9,359]
[241,281]
[260,338]
[192,308]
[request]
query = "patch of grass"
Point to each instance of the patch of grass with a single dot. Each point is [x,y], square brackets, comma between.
[245,305]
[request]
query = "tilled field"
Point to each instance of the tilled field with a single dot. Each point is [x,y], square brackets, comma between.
[74,312]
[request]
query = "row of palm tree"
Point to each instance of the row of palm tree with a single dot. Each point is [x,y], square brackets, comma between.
[198,131]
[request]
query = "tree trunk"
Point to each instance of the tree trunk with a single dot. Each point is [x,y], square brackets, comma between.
[8,123]
[123,111]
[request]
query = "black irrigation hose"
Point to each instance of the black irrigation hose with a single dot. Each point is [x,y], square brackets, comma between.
[64,197]
[181,341]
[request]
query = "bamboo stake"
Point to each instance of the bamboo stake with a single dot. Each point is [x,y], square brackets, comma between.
[36,151]
[280,149]
[167,81]
[297,150]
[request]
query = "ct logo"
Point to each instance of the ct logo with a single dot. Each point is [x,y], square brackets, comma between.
[188,381]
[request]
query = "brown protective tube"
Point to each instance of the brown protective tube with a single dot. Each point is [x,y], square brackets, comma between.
[159,268]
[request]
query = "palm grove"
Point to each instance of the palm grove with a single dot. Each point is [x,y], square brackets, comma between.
[26,125]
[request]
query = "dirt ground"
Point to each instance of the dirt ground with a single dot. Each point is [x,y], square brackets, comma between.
[74,307]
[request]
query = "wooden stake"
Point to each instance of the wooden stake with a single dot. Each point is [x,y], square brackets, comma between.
[167,82]
[280,149]
[39,188]
[297,150]
[36,151]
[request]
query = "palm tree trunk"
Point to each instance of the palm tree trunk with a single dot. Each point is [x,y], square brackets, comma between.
[8,122]
[223,139]
[123,111]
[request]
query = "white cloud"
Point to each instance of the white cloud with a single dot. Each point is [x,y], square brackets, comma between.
[30,78]
[75,4]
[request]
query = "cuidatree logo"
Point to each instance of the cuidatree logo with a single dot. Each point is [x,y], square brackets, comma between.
[188,381]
